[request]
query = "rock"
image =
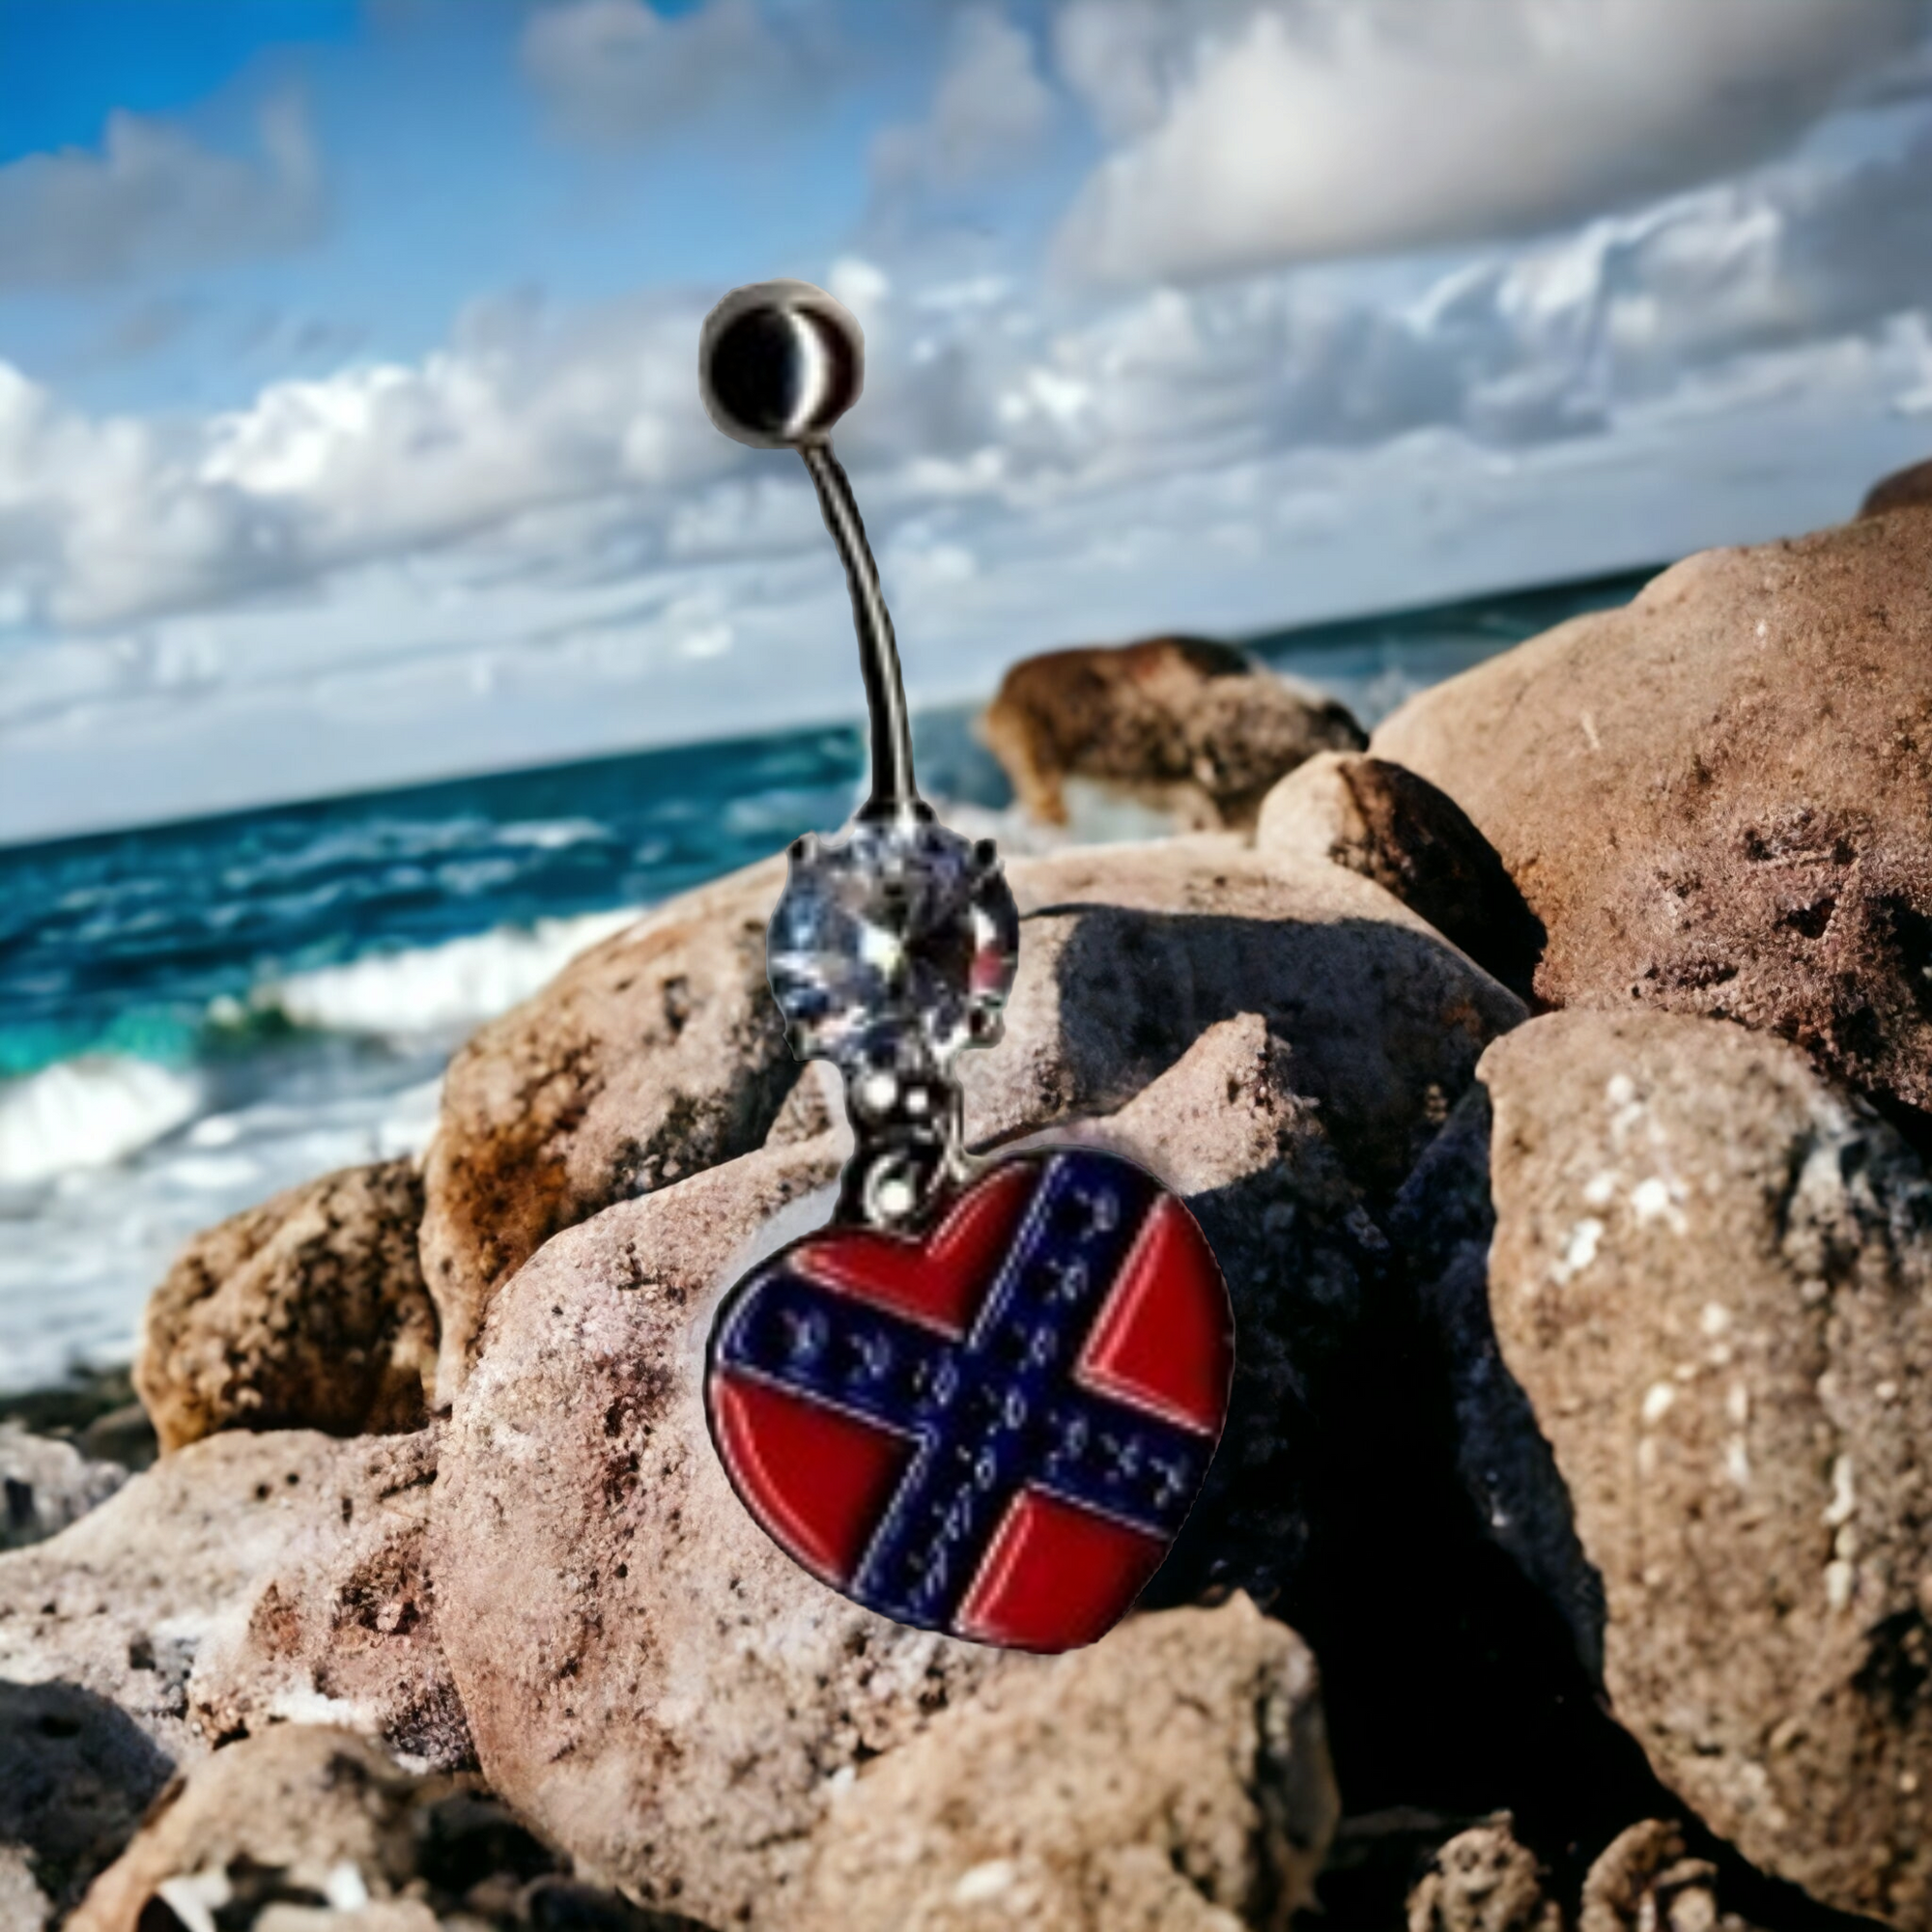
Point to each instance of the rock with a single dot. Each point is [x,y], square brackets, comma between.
[1644,1882]
[121,1605]
[607,1605]
[47,1485]
[1226,1129]
[1712,1275]
[1715,800]
[654,1055]
[1412,841]
[610,1608]
[1903,489]
[1129,953]
[308,1312]
[95,1411]
[342,1630]
[1483,1881]
[1175,1775]
[1189,726]
[76,1774]
[302,1816]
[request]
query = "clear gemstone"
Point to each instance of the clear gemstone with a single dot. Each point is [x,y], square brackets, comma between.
[890,940]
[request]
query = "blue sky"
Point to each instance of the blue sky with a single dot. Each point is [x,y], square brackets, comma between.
[349,434]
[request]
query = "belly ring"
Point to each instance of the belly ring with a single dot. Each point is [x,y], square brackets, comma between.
[985,1396]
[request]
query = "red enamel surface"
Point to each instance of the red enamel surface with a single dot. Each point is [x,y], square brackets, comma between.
[1164,1338]
[820,1479]
[1056,1577]
[938,1282]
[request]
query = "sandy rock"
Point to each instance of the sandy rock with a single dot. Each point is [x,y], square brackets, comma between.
[47,1485]
[303,1815]
[1129,953]
[652,1055]
[1188,727]
[1385,823]
[308,1312]
[1175,1775]
[1908,489]
[1483,1881]
[342,1631]
[75,1775]
[1643,1882]
[1715,800]
[610,1608]
[121,1605]
[1712,1275]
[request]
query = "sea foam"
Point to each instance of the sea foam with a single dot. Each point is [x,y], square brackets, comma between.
[89,1113]
[437,990]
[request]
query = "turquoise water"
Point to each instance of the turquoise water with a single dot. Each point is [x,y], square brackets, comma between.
[194,1015]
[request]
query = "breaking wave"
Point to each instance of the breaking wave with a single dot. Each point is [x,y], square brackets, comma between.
[432,991]
[92,1112]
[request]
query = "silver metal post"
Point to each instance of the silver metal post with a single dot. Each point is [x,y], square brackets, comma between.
[894,791]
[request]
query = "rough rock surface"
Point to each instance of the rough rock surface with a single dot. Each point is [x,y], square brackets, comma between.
[1644,1882]
[1483,1881]
[1382,821]
[609,1607]
[654,1055]
[1189,726]
[308,1312]
[342,1630]
[120,1605]
[47,1485]
[1175,1775]
[1712,1274]
[1129,953]
[304,1815]
[1716,800]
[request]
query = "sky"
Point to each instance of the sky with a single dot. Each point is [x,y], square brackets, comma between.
[348,423]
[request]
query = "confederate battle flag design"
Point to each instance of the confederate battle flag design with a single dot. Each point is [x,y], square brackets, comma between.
[996,1429]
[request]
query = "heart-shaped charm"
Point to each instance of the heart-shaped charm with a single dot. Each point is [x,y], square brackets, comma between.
[995,1427]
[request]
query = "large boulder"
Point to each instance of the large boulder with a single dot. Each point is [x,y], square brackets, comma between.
[121,1605]
[649,1057]
[1716,800]
[1174,1775]
[308,1312]
[1712,1277]
[1188,727]
[1275,1039]
[1129,953]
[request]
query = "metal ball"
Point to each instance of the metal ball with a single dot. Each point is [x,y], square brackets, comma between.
[779,363]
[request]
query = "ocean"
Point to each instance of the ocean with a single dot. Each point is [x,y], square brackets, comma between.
[195,1016]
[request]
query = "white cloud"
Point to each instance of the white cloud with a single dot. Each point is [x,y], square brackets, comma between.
[620,71]
[531,544]
[1298,129]
[153,199]
[989,111]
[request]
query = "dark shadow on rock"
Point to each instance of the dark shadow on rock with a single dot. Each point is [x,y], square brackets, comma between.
[76,1774]
[1366,1006]
[1419,844]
